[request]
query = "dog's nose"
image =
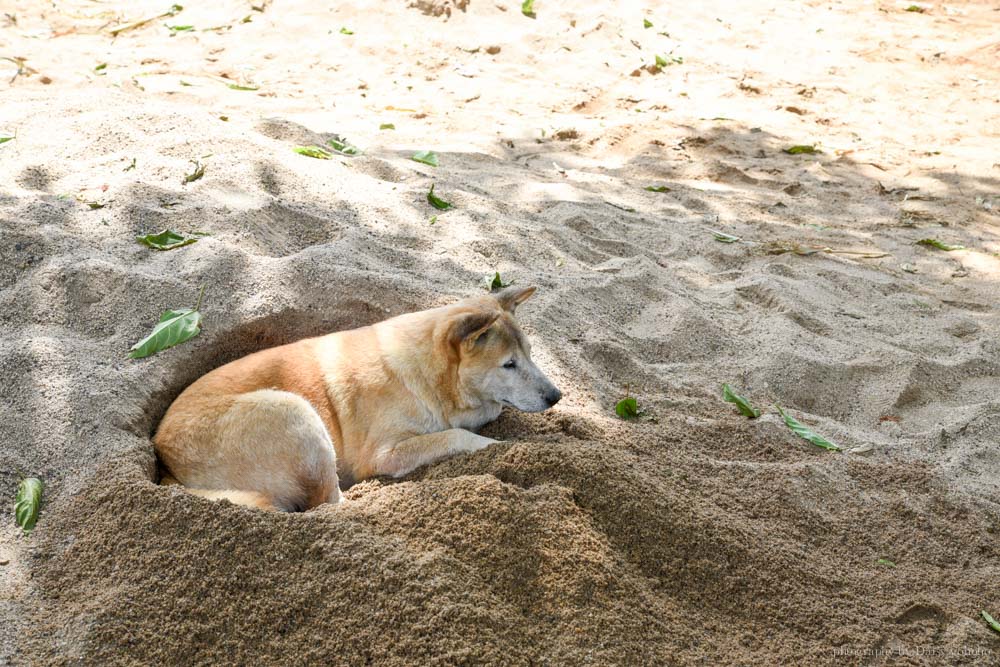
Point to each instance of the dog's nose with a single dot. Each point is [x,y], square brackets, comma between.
[553,397]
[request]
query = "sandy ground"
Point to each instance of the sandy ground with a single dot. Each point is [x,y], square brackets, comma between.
[692,536]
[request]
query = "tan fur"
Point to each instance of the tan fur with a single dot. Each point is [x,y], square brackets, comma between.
[275,428]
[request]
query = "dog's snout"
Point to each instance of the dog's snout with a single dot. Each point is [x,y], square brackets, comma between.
[552,396]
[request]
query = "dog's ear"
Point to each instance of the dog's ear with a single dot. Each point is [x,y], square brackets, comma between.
[467,328]
[512,297]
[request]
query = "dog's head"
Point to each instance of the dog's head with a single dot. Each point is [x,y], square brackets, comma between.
[494,356]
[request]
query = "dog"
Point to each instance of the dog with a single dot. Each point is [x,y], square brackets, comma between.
[283,428]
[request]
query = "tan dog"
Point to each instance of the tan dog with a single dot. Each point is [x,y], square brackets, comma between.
[274,428]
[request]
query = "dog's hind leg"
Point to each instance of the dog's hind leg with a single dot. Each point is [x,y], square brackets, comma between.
[273,444]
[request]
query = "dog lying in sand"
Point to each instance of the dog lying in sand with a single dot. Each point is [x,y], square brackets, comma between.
[273,429]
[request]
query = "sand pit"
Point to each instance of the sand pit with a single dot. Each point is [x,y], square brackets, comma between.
[689,536]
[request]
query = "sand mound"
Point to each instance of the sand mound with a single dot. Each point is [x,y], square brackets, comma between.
[689,536]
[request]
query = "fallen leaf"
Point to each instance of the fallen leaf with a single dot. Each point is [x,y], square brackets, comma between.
[802,148]
[27,502]
[199,171]
[991,621]
[722,237]
[741,403]
[344,147]
[167,240]
[646,23]
[940,245]
[657,188]
[313,151]
[805,433]
[437,202]
[627,408]
[174,327]
[387,126]
[426,157]
[345,31]
[528,8]
[496,283]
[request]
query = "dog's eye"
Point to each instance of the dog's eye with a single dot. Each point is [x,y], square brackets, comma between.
[510,364]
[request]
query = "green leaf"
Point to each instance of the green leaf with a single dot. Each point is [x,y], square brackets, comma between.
[344,147]
[27,503]
[886,562]
[940,245]
[101,67]
[661,61]
[802,148]
[528,8]
[174,327]
[199,171]
[130,167]
[803,432]
[313,151]
[437,202]
[387,126]
[236,86]
[646,23]
[496,283]
[722,237]
[434,219]
[990,620]
[657,188]
[627,408]
[345,31]
[741,403]
[4,139]
[916,8]
[426,157]
[166,240]
[181,28]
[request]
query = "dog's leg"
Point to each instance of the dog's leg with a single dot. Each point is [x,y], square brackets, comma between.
[399,459]
[273,444]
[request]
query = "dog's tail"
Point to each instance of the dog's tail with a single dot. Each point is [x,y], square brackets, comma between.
[245,498]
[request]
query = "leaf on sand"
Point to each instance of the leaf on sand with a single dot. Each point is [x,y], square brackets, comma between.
[387,126]
[180,28]
[434,219]
[436,201]
[528,8]
[100,68]
[5,138]
[990,620]
[722,237]
[803,432]
[657,188]
[313,151]
[346,31]
[801,149]
[236,86]
[646,23]
[174,327]
[497,283]
[886,562]
[27,503]
[661,61]
[627,408]
[344,147]
[916,8]
[141,22]
[940,245]
[199,171]
[166,240]
[741,403]
[426,157]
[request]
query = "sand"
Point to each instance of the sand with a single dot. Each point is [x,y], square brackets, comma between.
[690,536]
